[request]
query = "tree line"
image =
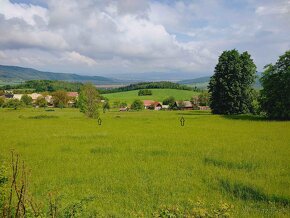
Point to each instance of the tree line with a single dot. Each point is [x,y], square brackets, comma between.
[148,85]
[44,86]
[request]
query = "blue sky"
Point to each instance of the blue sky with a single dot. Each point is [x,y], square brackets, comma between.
[97,37]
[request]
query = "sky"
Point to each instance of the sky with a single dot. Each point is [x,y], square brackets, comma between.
[103,37]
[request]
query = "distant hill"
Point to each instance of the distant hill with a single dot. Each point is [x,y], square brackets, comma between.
[14,74]
[202,82]
[204,79]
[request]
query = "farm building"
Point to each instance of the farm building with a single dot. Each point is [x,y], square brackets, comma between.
[184,105]
[150,104]
[122,109]
[203,108]
[8,95]
[165,107]
[34,96]
[17,96]
[49,99]
[73,94]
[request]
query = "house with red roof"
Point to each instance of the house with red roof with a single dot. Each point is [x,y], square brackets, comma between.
[153,105]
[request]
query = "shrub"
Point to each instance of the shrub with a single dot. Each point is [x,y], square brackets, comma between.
[2,101]
[12,103]
[60,99]
[41,102]
[27,100]
[137,105]
[144,92]
[169,101]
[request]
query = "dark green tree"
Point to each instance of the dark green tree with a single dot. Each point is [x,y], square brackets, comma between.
[275,95]
[231,85]
[137,105]
[89,101]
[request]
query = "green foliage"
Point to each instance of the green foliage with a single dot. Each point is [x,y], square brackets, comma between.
[3,183]
[147,85]
[137,105]
[89,101]
[203,98]
[106,106]
[12,103]
[231,85]
[46,85]
[198,209]
[27,100]
[144,92]
[123,104]
[2,101]
[41,102]
[169,101]
[275,95]
[60,98]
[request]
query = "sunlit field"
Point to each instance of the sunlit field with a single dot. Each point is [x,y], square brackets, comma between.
[137,162]
[157,95]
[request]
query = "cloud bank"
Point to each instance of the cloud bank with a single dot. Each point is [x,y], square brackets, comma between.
[97,37]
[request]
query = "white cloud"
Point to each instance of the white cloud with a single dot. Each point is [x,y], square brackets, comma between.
[138,36]
[28,13]
[78,58]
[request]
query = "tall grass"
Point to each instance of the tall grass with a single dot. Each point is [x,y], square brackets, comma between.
[136,162]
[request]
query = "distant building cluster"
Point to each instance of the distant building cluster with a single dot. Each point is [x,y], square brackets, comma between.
[178,105]
[49,99]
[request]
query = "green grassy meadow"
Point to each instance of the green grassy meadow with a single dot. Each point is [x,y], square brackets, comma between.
[157,95]
[136,162]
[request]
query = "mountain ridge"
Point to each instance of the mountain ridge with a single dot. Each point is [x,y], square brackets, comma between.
[21,74]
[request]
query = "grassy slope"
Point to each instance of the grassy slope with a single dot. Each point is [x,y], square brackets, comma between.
[157,94]
[137,161]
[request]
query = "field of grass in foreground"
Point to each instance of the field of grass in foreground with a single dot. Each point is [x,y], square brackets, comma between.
[138,161]
[157,95]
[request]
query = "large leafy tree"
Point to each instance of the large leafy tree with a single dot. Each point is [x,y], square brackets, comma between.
[231,85]
[89,101]
[60,98]
[275,95]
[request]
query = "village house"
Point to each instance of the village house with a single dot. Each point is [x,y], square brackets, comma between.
[123,109]
[165,107]
[34,96]
[49,100]
[203,108]
[73,96]
[17,96]
[150,104]
[183,105]
[8,95]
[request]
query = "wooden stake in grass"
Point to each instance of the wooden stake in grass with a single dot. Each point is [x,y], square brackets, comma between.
[182,120]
